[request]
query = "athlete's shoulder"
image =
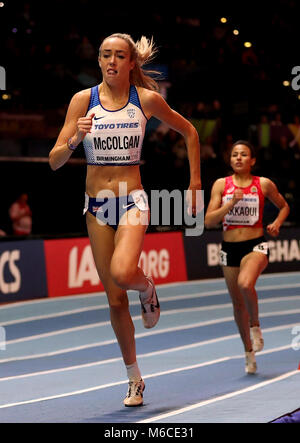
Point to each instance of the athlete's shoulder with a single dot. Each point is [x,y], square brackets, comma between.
[219,184]
[80,101]
[82,95]
[264,180]
[220,181]
[149,95]
[150,100]
[267,185]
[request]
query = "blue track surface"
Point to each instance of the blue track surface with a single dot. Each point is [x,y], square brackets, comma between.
[62,362]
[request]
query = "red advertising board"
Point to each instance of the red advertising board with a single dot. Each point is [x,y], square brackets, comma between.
[163,257]
[71,268]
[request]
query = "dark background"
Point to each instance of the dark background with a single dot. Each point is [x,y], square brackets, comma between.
[228,91]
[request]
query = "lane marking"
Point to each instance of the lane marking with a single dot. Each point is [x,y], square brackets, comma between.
[136,303]
[156,374]
[148,333]
[220,398]
[149,354]
[279,276]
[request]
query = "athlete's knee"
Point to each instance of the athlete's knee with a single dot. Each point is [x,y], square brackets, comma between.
[122,275]
[245,285]
[118,302]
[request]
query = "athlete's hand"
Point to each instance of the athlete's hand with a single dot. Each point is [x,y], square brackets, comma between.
[237,196]
[84,126]
[273,229]
[194,199]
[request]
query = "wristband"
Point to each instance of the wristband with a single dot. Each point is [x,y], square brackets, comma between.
[70,145]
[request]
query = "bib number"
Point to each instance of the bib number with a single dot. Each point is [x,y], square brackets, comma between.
[262,247]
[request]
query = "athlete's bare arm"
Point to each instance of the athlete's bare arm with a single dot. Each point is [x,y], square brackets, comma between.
[154,105]
[76,126]
[271,192]
[215,211]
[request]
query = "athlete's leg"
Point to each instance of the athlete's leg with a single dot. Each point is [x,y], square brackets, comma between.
[129,240]
[241,315]
[252,265]
[124,264]
[102,243]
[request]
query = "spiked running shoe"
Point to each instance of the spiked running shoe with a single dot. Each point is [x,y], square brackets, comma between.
[150,305]
[134,395]
[256,338]
[250,366]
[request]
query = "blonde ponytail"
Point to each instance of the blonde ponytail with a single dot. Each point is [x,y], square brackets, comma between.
[142,52]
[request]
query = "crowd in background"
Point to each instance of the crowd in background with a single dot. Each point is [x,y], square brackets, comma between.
[228,91]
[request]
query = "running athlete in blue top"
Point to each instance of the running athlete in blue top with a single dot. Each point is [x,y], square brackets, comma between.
[110,120]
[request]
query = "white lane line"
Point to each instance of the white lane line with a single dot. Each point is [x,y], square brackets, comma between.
[148,333]
[221,397]
[108,385]
[226,305]
[54,315]
[153,375]
[279,276]
[106,306]
[69,298]
[47,300]
[137,302]
[146,355]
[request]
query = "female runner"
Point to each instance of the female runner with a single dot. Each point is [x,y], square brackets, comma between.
[238,201]
[110,120]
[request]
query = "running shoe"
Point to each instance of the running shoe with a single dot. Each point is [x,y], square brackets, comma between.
[250,367]
[256,338]
[134,395]
[150,305]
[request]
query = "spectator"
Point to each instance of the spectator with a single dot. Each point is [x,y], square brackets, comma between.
[295,130]
[264,132]
[21,216]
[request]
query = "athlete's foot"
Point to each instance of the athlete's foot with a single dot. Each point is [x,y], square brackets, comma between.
[150,305]
[256,338]
[250,364]
[134,395]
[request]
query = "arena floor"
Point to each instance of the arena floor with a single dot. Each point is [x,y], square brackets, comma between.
[62,362]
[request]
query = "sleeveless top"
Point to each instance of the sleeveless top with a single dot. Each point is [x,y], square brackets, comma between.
[116,137]
[247,212]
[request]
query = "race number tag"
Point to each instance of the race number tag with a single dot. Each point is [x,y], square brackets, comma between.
[262,247]
[245,212]
[223,258]
[117,142]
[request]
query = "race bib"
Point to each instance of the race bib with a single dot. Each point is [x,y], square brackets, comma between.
[262,247]
[116,141]
[222,258]
[245,212]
